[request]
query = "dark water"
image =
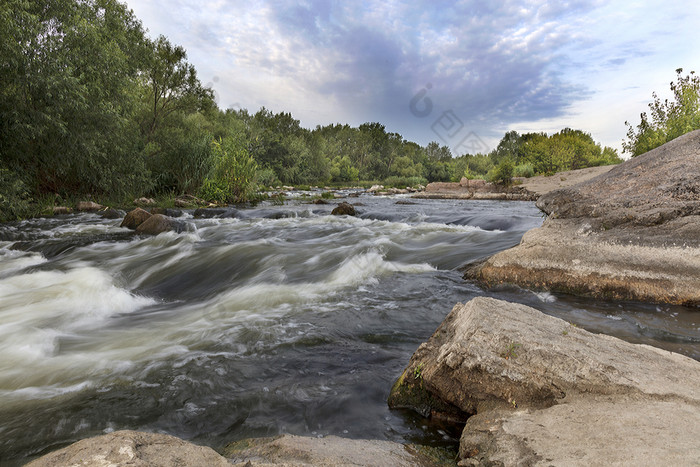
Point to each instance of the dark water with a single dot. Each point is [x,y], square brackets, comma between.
[283,320]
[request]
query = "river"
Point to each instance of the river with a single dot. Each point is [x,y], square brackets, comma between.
[283,320]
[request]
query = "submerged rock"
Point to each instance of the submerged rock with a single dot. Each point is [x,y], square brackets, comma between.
[132,448]
[111,213]
[529,381]
[209,213]
[134,218]
[344,209]
[631,233]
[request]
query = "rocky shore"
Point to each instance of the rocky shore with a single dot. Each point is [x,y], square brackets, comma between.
[536,390]
[630,233]
[475,189]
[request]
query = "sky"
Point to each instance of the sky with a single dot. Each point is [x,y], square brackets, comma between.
[461,73]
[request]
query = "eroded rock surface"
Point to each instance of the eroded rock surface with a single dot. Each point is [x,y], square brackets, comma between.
[131,448]
[330,451]
[631,233]
[542,391]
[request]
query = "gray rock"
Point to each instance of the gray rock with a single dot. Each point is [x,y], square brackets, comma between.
[111,213]
[329,451]
[630,233]
[132,448]
[209,213]
[143,201]
[134,218]
[541,391]
[88,206]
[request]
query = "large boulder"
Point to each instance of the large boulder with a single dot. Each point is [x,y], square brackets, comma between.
[134,218]
[537,389]
[131,448]
[630,233]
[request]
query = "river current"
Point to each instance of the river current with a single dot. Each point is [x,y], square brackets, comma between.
[284,319]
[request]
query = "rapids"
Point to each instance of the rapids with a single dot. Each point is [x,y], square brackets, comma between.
[284,319]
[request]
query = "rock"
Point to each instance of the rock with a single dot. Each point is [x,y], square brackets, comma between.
[88,206]
[57,210]
[375,188]
[144,201]
[320,201]
[186,201]
[631,233]
[134,218]
[132,448]
[111,213]
[406,202]
[167,212]
[536,387]
[209,213]
[344,209]
[158,223]
[288,450]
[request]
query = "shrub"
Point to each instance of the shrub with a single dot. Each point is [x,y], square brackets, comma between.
[502,173]
[232,177]
[15,199]
[524,170]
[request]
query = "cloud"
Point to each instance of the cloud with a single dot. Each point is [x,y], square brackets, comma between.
[494,64]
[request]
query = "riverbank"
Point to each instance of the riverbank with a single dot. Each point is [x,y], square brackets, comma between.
[537,390]
[632,233]
[523,189]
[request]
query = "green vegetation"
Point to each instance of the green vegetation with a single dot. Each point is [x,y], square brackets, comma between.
[668,119]
[91,107]
[511,351]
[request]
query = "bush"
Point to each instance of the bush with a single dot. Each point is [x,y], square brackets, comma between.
[15,199]
[232,177]
[524,170]
[502,173]
[267,177]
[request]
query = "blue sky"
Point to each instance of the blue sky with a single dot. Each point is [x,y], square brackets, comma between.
[458,72]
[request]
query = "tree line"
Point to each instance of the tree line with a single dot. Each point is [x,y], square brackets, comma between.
[91,106]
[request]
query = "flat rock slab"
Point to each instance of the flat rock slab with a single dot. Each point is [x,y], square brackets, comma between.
[331,451]
[131,448]
[539,390]
[542,184]
[588,432]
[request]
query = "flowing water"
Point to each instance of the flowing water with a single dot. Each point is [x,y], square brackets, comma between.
[284,319]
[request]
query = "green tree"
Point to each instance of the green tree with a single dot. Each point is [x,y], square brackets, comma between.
[170,85]
[67,95]
[667,119]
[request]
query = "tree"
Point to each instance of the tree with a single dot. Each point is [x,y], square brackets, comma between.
[170,85]
[668,119]
[66,95]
